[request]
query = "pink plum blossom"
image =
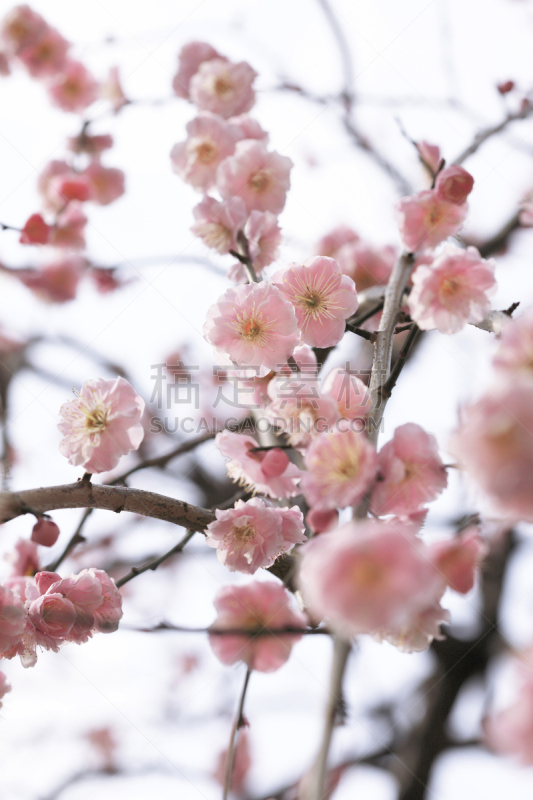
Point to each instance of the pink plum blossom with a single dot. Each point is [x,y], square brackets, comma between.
[256,606]
[411,472]
[323,298]
[266,471]
[101,424]
[248,128]
[35,231]
[349,393]
[253,535]
[45,532]
[425,219]
[53,615]
[366,265]
[191,56]
[12,619]
[264,237]
[367,576]
[47,55]
[261,178]
[223,88]
[106,183]
[46,186]
[20,28]
[514,356]
[494,445]
[210,140]
[429,155]
[253,324]
[217,224]
[73,89]
[299,409]
[330,244]
[341,466]
[452,291]
[109,613]
[56,282]
[457,559]
[454,184]
[67,187]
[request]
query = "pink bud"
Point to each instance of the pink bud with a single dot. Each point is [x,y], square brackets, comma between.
[275,462]
[454,184]
[505,87]
[321,521]
[35,231]
[45,532]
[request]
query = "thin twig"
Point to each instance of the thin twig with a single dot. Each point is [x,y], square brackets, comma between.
[237,724]
[485,134]
[76,538]
[252,633]
[243,255]
[153,565]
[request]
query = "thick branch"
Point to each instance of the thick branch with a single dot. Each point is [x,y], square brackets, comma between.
[111,498]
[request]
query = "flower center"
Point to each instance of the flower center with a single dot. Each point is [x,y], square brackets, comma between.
[216,235]
[251,326]
[95,418]
[223,85]
[450,286]
[366,573]
[244,533]
[259,181]
[205,150]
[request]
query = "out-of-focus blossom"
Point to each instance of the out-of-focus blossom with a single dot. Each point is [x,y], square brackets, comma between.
[91,145]
[47,55]
[510,731]
[74,89]
[210,140]
[366,265]
[457,558]
[514,356]
[45,532]
[46,186]
[368,576]
[266,471]
[264,237]
[191,56]
[112,90]
[322,520]
[253,324]
[253,535]
[494,444]
[419,632]
[430,155]
[106,183]
[101,424]
[351,395]
[256,606]
[5,687]
[452,291]
[299,409]
[222,87]
[24,558]
[217,224]
[69,229]
[12,619]
[330,244]
[56,282]
[35,231]
[20,28]
[241,764]
[66,187]
[260,177]
[341,466]
[411,472]
[323,298]
[425,219]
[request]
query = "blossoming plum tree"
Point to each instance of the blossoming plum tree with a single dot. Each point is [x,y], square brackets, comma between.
[330,520]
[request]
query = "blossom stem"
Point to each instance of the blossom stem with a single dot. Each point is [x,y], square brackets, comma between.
[237,724]
[153,565]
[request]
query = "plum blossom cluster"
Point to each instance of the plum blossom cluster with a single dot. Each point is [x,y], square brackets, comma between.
[45,611]
[66,185]
[226,152]
[510,731]
[494,440]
